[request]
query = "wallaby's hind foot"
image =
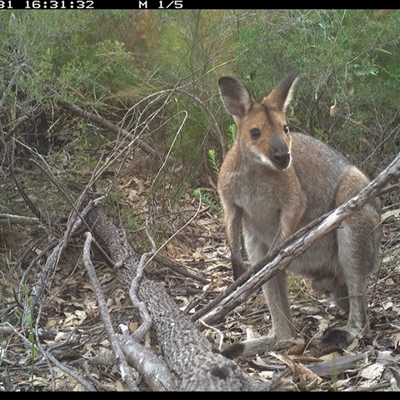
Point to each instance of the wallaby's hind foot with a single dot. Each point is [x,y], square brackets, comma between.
[336,338]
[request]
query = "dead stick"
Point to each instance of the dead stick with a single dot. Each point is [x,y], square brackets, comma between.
[111,127]
[105,316]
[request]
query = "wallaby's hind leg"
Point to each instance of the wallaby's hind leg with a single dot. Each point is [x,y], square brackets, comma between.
[358,255]
[331,286]
[341,297]
[350,296]
[275,291]
[357,262]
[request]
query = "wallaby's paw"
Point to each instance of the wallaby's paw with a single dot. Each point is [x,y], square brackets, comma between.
[238,270]
[336,338]
[235,350]
[252,347]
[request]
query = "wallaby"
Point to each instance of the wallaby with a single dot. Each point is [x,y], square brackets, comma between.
[273,182]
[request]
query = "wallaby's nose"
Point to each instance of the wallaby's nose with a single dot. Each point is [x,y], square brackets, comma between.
[281,159]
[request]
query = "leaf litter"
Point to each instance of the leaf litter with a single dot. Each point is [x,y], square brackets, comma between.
[371,363]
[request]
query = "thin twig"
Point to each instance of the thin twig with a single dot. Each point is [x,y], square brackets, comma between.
[39,346]
[87,385]
[27,271]
[108,125]
[177,267]
[22,192]
[102,304]
[10,219]
[85,366]
[52,261]
[176,232]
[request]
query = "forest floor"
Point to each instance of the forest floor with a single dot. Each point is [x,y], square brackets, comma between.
[370,363]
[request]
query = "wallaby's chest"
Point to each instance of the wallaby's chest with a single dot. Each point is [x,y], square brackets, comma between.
[260,201]
[258,198]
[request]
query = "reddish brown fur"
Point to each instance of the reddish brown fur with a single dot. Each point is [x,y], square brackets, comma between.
[271,184]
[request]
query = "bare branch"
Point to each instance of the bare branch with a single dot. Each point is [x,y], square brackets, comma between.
[105,316]
[10,219]
[51,263]
[87,385]
[110,126]
[153,369]
[210,114]
[22,192]
[141,332]
[189,355]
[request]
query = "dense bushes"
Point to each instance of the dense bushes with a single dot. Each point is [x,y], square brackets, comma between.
[108,61]
[349,88]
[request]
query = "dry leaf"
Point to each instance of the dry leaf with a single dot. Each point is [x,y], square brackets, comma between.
[372,372]
[52,322]
[397,342]
[87,285]
[81,315]
[266,375]
[330,356]
[308,380]
[197,256]
[333,109]
[387,305]
[58,300]
[395,381]
[350,89]
[70,317]
[133,326]
[340,383]
[297,349]
[285,359]
[60,336]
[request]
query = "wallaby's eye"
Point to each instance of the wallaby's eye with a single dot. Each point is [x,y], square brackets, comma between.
[286,128]
[255,133]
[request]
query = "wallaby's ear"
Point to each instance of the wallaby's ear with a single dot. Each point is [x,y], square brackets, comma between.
[235,96]
[282,94]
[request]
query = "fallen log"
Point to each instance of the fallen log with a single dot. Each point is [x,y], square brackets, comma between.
[192,359]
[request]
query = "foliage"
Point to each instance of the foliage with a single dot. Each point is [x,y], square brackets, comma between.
[125,64]
[155,74]
[207,200]
[347,57]
[214,161]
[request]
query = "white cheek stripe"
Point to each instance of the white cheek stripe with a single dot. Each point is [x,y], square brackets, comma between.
[265,160]
[261,156]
